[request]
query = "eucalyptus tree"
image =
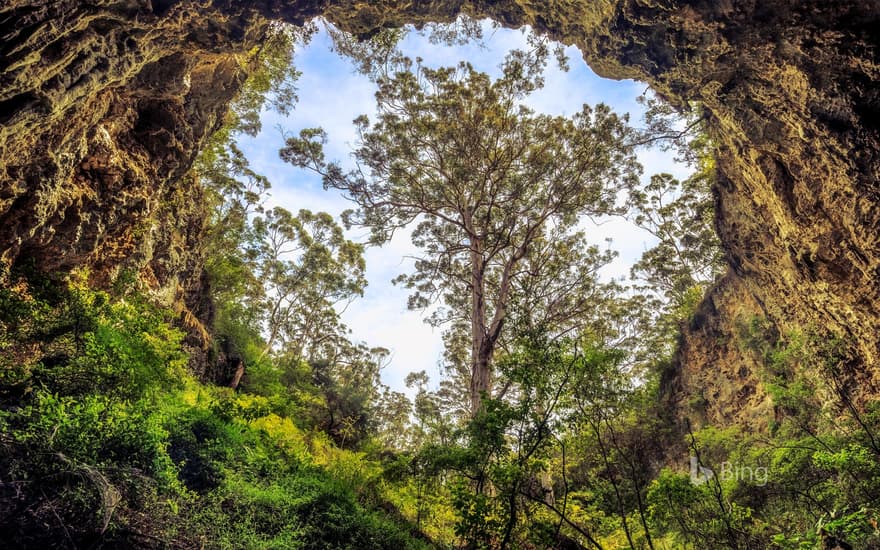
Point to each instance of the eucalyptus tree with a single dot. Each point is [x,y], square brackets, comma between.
[494,190]
[307,267]
[676,273]
[681,215]
[234,192]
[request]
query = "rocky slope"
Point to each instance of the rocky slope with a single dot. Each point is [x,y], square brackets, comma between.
[105,103]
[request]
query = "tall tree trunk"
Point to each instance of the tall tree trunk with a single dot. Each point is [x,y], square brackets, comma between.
[481,350]
[481,379]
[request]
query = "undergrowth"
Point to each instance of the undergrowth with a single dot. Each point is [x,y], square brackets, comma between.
[106,441]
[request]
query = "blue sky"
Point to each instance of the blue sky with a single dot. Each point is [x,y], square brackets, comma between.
[332,94]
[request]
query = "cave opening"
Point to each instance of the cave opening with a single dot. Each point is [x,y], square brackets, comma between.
[335,86]
[142,353]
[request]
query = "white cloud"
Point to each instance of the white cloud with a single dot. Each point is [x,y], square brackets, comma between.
[382,319]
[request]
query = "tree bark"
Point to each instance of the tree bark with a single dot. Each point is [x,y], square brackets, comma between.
[481,379]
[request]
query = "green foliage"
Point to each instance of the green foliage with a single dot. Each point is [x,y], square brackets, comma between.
[378,56]
[495,192]
[812,482]
[676,273]
[264,497]
[680,215]
[700,515]
[79,339]
[112,443]
[272,77]
[306,267]
[87,436]
[507,479]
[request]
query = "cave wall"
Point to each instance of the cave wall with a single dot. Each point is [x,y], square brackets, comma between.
[105,103]
[103,108]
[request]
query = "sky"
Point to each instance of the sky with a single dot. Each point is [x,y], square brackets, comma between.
[332,94]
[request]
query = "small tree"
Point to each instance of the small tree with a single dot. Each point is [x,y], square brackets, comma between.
[680,215]
[306,267]
[495,189]
[688,257]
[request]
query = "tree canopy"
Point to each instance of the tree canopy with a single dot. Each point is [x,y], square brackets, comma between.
[495,189]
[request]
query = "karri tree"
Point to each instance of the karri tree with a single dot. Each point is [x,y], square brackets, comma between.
[496,192]
[307,268]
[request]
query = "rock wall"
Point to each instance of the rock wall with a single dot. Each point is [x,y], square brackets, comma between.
[103,108]
[791,92]
[105,103]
